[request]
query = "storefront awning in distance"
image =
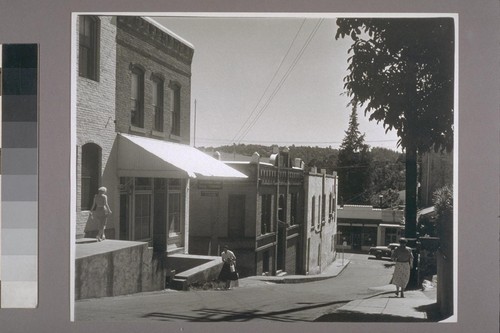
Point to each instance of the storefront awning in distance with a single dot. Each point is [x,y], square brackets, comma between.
[391,225]
[146,157]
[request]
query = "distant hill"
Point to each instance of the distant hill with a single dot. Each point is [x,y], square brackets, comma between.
[322,158]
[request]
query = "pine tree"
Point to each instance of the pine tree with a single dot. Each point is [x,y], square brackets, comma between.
[354,164]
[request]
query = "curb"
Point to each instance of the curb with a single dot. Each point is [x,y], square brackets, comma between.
[299,279]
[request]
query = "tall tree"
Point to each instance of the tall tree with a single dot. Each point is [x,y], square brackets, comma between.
[354,164]
[401,70]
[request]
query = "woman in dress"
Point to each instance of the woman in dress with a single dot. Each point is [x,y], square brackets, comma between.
[228,272]
[100,209]
[404,262]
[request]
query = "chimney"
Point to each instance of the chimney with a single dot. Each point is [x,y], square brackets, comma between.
[255,158]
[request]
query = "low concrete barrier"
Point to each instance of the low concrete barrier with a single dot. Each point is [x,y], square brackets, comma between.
[113,268]
[199,269]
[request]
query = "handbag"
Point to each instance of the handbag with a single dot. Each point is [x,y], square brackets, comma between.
[232,268]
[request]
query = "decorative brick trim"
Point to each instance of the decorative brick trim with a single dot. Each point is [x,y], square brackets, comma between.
[155,36]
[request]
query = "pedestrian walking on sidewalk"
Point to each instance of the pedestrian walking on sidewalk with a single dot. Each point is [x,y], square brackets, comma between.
[404,262]
[228,272]
[100,211]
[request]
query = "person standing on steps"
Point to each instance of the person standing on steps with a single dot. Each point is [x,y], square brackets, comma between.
[228,272]
[100,211]
[404,262]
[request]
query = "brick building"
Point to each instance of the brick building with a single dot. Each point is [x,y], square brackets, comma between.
[95,130]
[133,130]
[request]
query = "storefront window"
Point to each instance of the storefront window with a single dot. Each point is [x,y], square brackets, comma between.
[174,212]
[369,236]
[143,184]
[142,217]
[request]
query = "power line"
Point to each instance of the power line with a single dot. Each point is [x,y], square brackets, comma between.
[282,81]
[287,74]
[286,142]
[269,84]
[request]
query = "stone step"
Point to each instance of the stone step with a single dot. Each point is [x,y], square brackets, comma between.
[280,273]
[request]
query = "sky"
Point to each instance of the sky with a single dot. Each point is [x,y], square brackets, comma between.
[270,80]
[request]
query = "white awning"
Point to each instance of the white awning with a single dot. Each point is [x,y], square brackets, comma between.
[391,225]
[145,157]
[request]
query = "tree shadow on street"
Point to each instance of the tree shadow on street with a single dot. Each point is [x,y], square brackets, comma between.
[431,311]
[352,316]
[218,315]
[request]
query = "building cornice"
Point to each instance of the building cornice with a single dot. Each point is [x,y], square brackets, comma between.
[159,61]
[157,37]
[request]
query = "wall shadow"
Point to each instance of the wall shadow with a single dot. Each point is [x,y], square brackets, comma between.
[217,315]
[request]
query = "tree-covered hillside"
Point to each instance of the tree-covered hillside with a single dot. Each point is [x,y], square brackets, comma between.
[386,170]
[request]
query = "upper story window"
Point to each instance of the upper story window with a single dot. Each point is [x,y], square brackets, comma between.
[175,108]
[294,209]
[313,211]
[88,64]
[323,208]
[266,213]
[330,207]
[137,97]
[319,210]
[281,208]
[158,103]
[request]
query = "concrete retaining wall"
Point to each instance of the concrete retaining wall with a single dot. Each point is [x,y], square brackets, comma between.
[125,271]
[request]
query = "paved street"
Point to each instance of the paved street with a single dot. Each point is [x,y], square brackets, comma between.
[262,301]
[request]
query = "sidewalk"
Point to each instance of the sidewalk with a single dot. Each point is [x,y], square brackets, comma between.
[384,306]
[416,306]
[330,272]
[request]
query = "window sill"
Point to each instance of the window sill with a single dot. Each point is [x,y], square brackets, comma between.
[158,134]
[137,129]
[91,79]
[175,137]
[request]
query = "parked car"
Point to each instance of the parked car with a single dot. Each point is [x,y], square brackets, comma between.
[383,251]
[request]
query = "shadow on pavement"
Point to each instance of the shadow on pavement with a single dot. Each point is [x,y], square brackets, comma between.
[432,311]
[348,316]
[216,315]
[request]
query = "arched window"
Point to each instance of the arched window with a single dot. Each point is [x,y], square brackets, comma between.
[313,211]
[158,103]
[330,207]
[91,164]
[137,96]
[323,208]
[88,50]
[319,209]
[175,107]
